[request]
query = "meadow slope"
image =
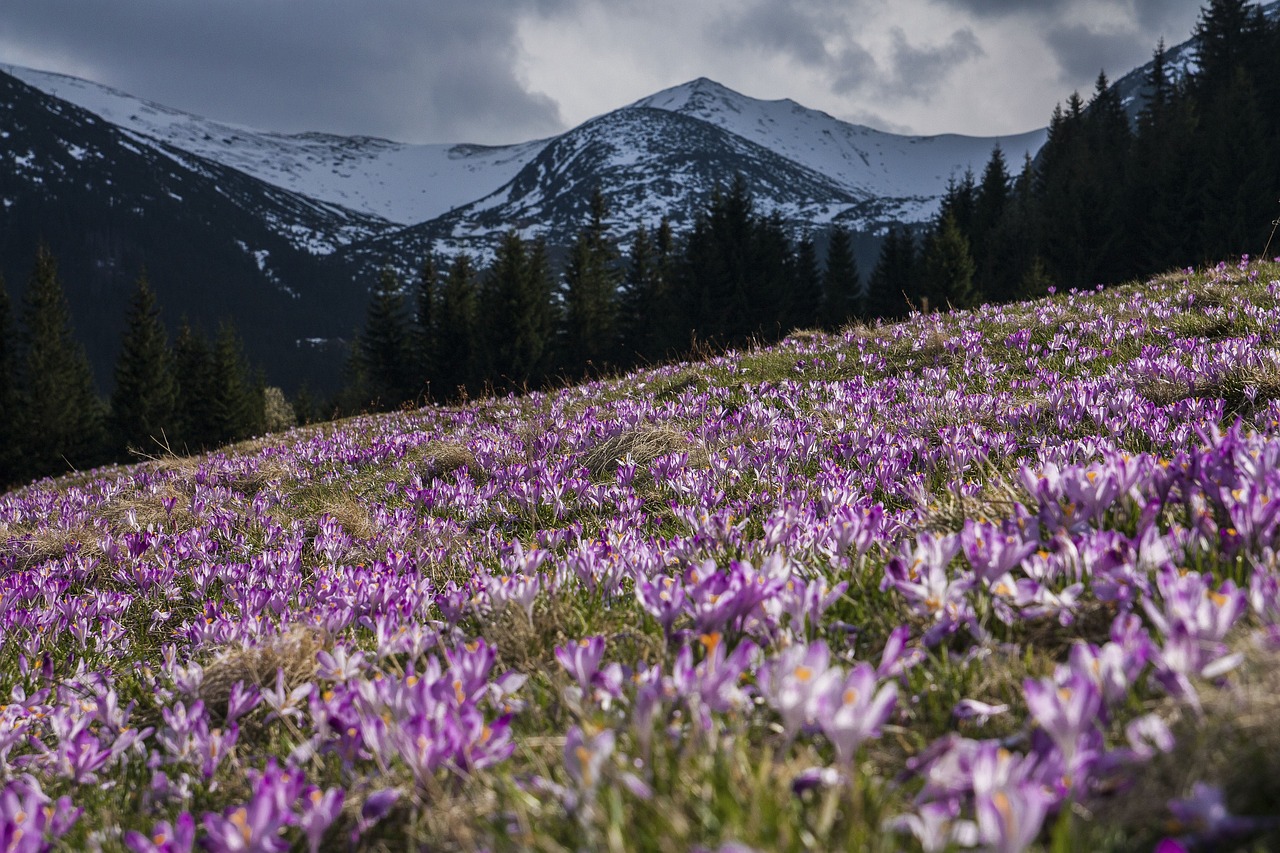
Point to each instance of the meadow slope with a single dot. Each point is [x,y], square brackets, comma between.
[1003,578]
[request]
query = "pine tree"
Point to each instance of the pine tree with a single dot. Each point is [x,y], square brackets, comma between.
[1012,245]
[1231,37]
[426,308]
[1064,199]
[10,452]
[457,336]
[960,202]
[804,295]
[1158,203]
[145,394]
[590,294]
[386,346]
[1108,137]
[637,301]
[192,361]
[947,266]
[715,268]
[668,320]
[841,282]
[990,203]
[768,278]
[235,396]
[891,288]
[60,420]
[518,320]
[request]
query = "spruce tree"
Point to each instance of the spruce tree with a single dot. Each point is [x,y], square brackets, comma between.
[804,295]
[669,322]
[1158,199]
[590,294]
[947,267]
[716,268]
[1012,244]
[768,278]
[426,308]
[841,282]
[891,288]
[1064,196]
[386,345]
[636,301]
[519,323]
[457,337]
[1108,137]
[192,361]
[145,394]
[235,395]
[991,200]
[60,420]
[10,452]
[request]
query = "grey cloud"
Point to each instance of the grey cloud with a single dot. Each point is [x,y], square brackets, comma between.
[1083,52]
[917,71]
[398,68]
[795,30]
[817,34]
[855,70]
[996,8]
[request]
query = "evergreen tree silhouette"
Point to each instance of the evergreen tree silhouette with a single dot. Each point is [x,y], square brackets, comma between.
[192,360]
[235,396]
[145,395]
[590,293]
[60,418]
[990,203]
[804,293]
[386,346]
[947,267]
[457,334]
[891,287]
[841,282]
[10,451]
[426,309]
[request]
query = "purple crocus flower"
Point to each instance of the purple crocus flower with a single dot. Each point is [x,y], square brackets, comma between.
[1009,803]
[178,837]
[585,756]
[853,710]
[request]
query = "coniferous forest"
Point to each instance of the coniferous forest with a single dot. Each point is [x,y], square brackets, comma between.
[1196,176]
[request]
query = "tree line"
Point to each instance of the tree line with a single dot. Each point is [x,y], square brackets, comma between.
[458,329]
[1194,179]
[183,397]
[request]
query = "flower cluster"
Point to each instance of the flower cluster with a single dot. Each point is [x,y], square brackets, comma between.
[793,552]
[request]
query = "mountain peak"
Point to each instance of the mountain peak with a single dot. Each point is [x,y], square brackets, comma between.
[698,94]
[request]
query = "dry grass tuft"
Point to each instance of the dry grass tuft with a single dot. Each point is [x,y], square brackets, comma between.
[31,548]
[643,444]
[1262,381]
[442,458]
[293,652]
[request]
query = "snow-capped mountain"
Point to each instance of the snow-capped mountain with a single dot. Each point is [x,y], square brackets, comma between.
[906,173]
[283,233]
[860,175]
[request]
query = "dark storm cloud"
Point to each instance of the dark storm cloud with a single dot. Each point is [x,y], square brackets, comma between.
[813,34]
[1000,8]
[795,31]
[405,69]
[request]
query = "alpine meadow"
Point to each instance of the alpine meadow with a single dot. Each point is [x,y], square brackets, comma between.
[753,511]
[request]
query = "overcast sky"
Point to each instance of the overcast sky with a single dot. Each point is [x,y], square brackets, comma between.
[494,71]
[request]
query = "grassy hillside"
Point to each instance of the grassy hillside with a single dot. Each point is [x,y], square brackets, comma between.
[1002,578]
